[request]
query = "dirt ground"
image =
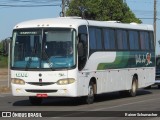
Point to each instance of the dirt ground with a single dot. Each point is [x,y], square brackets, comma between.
[3,80]
[3,73]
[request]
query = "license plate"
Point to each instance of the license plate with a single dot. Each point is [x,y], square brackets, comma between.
[42,95]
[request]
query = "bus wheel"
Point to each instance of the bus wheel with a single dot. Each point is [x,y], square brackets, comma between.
[133,90]
[35,100]
[90,97]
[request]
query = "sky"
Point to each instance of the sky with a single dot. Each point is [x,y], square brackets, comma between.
[144,9]
[10,16]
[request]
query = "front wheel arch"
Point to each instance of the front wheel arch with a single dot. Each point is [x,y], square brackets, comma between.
[133,90]
[134,86]
[92,90]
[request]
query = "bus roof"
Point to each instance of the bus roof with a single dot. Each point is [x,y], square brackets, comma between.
[74,22]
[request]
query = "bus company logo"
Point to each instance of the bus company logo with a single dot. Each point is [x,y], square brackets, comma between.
[148,59]
[61,74]
[21,74]
[140,59]
[145,59]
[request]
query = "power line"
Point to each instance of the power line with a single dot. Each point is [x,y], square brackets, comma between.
[28,5]
[146,18]
[135,1]
[28,1]
[24,2]
[150,18]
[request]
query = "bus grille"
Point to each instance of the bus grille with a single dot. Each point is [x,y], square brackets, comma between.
[41,83]
[41,91]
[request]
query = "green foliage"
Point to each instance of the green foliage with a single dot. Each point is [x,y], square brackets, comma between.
[102,10]
[0,45]
[3,59]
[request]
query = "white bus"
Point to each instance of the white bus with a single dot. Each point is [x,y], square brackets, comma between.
[73,57]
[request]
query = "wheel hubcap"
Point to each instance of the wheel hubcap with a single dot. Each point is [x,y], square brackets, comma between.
[134,87]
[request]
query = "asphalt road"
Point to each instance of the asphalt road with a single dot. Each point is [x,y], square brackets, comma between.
[106,106]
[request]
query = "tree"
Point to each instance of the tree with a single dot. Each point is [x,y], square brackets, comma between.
[104,10]
[0,47]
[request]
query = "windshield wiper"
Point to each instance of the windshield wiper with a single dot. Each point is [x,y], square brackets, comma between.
[28,63]
[30,59]
[48,61]
[33,52]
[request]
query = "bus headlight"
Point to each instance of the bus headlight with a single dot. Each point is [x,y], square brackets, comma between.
[17,81]
[65,81]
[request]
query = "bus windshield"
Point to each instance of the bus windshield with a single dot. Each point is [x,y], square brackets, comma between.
[43,48]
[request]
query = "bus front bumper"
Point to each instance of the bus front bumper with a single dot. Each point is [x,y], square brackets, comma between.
[47,91]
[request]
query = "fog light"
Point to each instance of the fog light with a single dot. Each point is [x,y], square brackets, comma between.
[18,90]
[65,90]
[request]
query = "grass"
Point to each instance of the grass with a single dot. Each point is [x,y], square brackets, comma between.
[3,59]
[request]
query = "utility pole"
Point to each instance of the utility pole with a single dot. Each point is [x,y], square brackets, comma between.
[155,19]
[63,8]
[64,4]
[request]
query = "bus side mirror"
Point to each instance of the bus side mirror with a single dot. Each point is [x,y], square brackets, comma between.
[82,45]
[80,49]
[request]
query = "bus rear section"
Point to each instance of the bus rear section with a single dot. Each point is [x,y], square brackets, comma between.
[157,82]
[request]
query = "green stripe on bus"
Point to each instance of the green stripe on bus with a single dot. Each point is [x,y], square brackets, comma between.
[129,60]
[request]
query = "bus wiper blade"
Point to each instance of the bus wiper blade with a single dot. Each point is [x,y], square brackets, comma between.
[48,61]
[33,53]
[28,63]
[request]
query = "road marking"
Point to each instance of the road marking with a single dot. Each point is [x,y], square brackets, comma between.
[5,94]
[81,112]
[3,80]
[124,104]
[71,114]
[1,96]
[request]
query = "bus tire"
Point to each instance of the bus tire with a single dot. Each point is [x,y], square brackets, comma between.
[134,86]
[90,96]
[35,100]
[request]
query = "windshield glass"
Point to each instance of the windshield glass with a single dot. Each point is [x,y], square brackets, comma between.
[43,48]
